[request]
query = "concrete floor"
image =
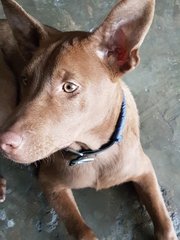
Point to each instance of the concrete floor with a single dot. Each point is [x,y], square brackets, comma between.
[113,214]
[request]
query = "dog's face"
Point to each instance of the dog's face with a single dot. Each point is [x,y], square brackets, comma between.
[61,99]
[70,79]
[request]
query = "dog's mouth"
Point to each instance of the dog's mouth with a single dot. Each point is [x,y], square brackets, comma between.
[25,157]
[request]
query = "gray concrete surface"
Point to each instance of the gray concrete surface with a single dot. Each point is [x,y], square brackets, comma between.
[114,214]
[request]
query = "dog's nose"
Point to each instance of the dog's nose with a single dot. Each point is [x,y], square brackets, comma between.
[10,141]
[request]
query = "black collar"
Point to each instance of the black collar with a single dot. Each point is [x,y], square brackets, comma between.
[89,155]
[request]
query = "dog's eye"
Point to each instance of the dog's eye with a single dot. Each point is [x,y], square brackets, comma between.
[24,80]
[70,87]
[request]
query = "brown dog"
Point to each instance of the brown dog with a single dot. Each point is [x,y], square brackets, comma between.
[72,101]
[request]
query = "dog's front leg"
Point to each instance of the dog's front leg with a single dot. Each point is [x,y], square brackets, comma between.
[65,206]
[150,194]
[63,202]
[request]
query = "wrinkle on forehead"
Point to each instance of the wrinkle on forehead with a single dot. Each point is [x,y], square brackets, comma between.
[58,50]
[46,64]
[47,58]
[40,69]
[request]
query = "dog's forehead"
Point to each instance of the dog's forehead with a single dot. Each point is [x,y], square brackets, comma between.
[78,60]
[69,59]
[56,54]
[42,57]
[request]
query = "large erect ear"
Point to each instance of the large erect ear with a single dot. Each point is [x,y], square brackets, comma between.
[27,31]
[119,37]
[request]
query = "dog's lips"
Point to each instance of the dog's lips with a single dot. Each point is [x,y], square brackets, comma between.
[22,159]
[6,155]
[12,157]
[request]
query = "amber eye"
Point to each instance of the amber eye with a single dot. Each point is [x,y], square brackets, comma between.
[70,87]
[24,80]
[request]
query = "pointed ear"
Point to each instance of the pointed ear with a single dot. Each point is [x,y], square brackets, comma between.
[27,31]
[118,39]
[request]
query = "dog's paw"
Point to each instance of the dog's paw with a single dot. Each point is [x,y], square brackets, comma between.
[89,238]
[88,235]
[2,190]
[170,235]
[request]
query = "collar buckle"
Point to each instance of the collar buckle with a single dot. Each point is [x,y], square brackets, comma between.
[80,160]
[89,155]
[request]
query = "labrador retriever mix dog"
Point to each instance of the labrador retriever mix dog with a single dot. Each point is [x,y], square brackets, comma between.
[75,111]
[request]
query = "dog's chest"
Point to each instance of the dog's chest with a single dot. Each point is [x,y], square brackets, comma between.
[107,170]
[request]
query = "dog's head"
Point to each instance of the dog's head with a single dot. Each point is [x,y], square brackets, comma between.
[70,83]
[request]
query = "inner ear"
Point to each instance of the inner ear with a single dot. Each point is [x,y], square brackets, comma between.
[118,51]
[119,37]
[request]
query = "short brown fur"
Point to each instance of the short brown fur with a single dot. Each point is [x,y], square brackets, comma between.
[48,119]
